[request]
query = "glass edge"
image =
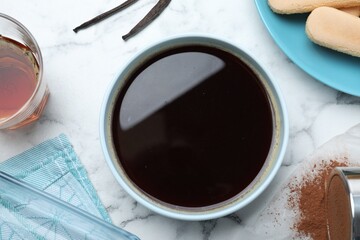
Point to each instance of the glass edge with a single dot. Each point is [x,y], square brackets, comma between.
[73,209]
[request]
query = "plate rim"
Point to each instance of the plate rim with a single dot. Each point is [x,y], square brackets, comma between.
[298,62]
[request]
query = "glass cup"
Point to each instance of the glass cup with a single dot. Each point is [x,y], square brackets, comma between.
[23,91]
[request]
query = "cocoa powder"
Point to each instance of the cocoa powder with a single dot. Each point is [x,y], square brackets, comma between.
[338,210]
[309,197]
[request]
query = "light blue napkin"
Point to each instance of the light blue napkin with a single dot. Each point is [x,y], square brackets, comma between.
[54,167]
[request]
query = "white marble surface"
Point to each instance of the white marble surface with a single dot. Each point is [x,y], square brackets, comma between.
[79,67]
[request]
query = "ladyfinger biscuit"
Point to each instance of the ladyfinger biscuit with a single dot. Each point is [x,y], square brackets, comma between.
[302,6]
[352,10]
[335,29]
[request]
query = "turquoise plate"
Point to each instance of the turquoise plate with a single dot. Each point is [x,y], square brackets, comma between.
[337,70]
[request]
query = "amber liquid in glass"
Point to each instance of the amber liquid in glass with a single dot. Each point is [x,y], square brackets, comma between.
[18,76]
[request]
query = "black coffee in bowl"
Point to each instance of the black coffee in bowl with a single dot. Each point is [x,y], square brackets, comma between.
[192,126]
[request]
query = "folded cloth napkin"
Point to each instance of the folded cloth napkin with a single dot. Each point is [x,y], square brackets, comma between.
[53,167]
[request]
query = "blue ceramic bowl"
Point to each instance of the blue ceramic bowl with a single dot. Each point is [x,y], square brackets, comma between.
[337,70]
[264,177]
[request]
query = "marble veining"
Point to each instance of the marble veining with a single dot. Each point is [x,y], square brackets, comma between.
[79,68]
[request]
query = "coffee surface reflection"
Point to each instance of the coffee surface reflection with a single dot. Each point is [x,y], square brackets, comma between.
[193,126]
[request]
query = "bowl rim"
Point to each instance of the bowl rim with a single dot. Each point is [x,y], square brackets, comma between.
[218,212]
